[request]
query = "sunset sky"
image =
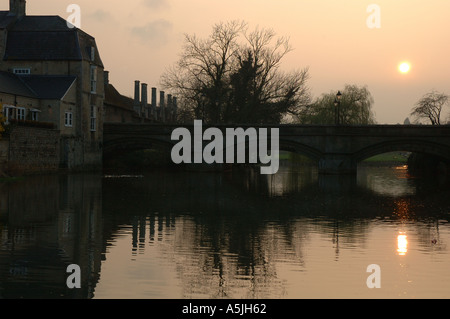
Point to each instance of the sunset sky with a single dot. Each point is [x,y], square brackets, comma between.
[138,39]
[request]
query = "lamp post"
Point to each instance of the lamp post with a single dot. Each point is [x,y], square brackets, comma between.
[337,104]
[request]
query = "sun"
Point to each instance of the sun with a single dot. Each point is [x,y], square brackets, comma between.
[404,67]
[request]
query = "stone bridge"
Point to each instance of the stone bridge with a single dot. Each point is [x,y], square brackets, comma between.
[337,149]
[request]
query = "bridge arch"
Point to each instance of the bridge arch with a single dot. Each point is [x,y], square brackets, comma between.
[127,144]
[414,146]
[299,148]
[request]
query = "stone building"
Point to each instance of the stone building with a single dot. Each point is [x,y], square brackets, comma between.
[119,108]
[144,108]
[51,72]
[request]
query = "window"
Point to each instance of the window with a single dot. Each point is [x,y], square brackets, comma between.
[8,112]
[93,118]
[68,119]
[13,113]
[21,113]
[93,79]
[35,115]
[92,52]
[22,71]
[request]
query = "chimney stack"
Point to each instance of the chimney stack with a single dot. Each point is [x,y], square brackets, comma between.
[17,8]
[106,77]
[162,105]
[154,109]
[169,107]
[144,100]
[137,100]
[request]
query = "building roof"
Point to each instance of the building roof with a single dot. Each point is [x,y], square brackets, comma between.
[41,23]
[114,98]
[41,46]
[49,87]
[45,38]
[36,86]
[11,84]
[6,19]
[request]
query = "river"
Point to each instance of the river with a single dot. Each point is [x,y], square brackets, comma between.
[237,234]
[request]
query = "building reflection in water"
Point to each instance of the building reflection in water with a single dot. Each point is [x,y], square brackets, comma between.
[224,235]
[47,223]
[231,229]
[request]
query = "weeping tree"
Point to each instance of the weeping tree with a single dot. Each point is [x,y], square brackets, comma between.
[235,76]
[355,108]
[430,107]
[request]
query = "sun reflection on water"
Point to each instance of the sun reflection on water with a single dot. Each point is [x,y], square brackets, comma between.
[402,244]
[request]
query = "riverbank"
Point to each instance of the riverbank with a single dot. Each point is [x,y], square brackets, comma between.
[387,159]
[11,179]
[154,160]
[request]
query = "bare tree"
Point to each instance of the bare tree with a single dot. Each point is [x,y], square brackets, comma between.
[234,76]
[430,107]
[200,76]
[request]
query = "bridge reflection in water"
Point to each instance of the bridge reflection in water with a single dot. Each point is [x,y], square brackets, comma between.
[173,234]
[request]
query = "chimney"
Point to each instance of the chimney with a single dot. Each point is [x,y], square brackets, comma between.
[162,106]
[17,8]
[144,100]
[169,107]
[154,98]
[106,77]
[137,100]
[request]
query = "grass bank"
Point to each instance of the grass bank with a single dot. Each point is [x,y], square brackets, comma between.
[392,158]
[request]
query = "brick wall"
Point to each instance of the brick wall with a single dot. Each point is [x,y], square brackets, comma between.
[33,150]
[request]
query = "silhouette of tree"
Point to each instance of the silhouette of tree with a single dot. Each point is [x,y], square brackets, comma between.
[430,107]
[355,108]
[234,76]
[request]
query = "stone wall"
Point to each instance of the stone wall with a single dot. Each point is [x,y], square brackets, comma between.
[4,151]
[33,150]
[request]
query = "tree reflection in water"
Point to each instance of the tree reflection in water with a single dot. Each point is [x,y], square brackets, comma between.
[228,233]
[235,234]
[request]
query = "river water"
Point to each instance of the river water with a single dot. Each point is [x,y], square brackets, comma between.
[235,234]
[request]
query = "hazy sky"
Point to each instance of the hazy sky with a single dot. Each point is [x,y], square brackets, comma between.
[138,39]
